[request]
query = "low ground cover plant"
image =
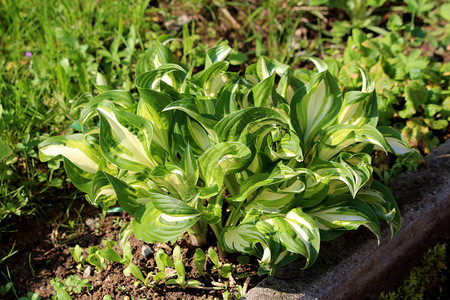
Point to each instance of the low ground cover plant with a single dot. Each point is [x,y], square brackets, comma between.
[271,164]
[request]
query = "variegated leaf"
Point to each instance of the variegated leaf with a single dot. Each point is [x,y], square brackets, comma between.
[265,67]
[151,106]
[396,141]
[130,197]
[155,57]
[173,179]
[360,108]
[314,107]
[339,138]
[222,159]
[383,203]
[187,130]
[163,219]
[118,98]
[227,102]
[280,174]
[299,234]
[216,54]
[125,139]
[212,79]
[80,178]
[197,110]
[264,94]
[102,192]
[79,149]
[247,124]
[170,74]
[342,212]
[352,170]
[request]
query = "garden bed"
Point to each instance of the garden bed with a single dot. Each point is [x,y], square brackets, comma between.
[354,266]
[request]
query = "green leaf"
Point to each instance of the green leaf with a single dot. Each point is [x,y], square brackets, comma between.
[110,254]
[299,234]
[216,54]
[383,203]
[61,294]
[77,148]
[151,106]
[133,269]
[163,219]
[212,254]
[247,124]
[125,139]
[222,159]
[119,98]
[360,108]
[155,57]
[163,260]
[339,138]
[314,107]
[343,212]
[5,150]
[199,261]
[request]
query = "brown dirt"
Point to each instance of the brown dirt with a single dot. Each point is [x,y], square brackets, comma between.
[43,254]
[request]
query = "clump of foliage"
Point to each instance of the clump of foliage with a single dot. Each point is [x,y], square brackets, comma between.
[412,90]
[426,280]
[271,164]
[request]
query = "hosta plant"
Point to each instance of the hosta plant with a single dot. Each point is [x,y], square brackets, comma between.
[271,164]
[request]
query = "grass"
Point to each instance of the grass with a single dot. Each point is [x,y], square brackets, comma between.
[51,51]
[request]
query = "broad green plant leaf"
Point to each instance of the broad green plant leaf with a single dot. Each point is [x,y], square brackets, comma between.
[163,218]
[299,234]
[77,148]
[314,107]
[222,159]
[125,139]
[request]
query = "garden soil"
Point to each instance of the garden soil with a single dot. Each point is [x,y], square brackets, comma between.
[43,254]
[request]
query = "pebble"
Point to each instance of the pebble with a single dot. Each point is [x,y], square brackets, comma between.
[87,272]
[146,251]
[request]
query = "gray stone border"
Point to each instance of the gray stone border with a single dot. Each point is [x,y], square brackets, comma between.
[354,266]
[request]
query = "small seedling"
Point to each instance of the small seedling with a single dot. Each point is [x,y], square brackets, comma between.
[200,261]
[181,271]
[71,285]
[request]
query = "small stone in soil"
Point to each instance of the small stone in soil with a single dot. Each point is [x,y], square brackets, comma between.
[87,272]
[146,251]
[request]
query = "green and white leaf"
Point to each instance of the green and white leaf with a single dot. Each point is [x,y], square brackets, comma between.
[383,204]
[222,159]
[339,138]
[315,106]
[125,139]
[298,233]
[163,219]
[77,148]
[344,213]
[396,141]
